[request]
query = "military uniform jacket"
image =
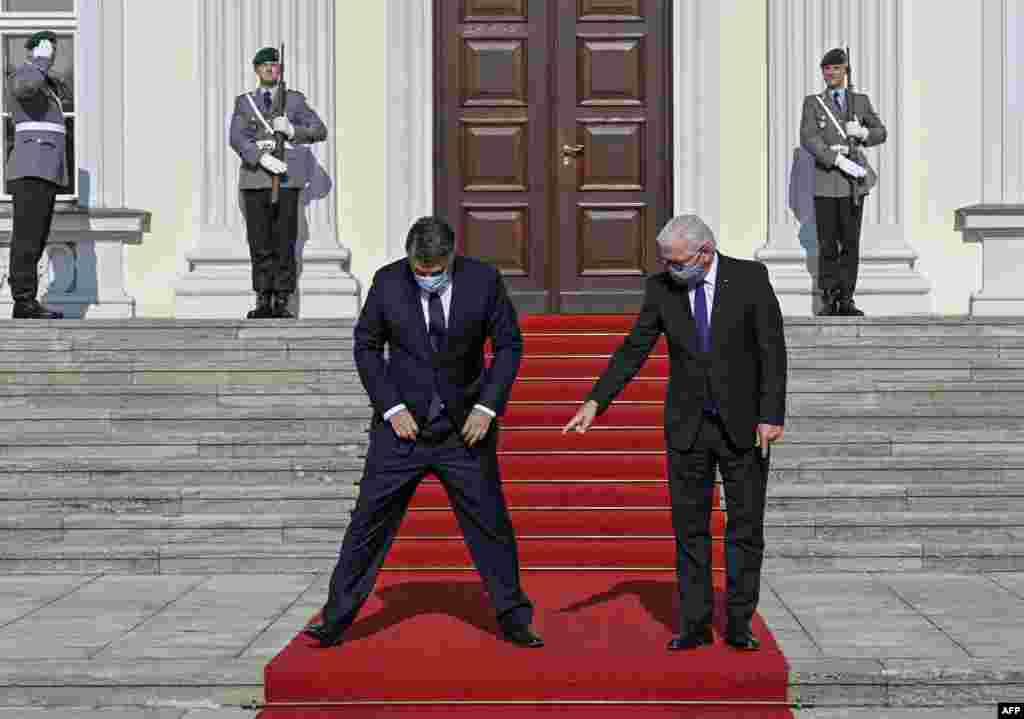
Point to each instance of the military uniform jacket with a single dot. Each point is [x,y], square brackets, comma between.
[35,106]
[818,135]
[247,129]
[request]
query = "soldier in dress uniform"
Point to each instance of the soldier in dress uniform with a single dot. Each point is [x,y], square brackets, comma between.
[36,169]
[834,126]
[271,228]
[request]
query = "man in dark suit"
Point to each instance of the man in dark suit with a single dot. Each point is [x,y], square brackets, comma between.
[434,311]
[726,394]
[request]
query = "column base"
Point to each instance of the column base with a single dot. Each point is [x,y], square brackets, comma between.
[887,283]
[221,287]
[985,305]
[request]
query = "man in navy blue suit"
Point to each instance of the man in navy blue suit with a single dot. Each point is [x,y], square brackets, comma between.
[434,407]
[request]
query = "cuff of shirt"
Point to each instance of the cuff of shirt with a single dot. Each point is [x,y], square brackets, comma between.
[777,421]
[393,411]
[485,410]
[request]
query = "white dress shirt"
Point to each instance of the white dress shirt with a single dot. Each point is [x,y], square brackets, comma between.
[446,303]
[709,288]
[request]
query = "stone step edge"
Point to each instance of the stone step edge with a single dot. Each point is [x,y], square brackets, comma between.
[896,520]
[305,550]
[851,492]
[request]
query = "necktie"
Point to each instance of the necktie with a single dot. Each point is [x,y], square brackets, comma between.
[838,97]
[436,330]
[436,327]
[700,316]
[266,101]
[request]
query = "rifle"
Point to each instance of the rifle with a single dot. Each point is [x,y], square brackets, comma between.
[279,138]
[852,142]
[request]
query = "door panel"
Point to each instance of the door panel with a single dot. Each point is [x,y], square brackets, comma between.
[553,146]
[612,103]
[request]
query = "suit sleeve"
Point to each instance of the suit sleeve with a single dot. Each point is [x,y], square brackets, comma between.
[877,133]
[241,139]
[631,354]
[29,78]
[771,342]
[811,138]
[309,128]
[507,340]
[371,334]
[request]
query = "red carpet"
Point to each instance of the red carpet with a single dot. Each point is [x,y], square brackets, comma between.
[596,544]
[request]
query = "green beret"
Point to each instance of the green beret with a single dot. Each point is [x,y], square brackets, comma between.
[39,37]
[835,56]
[267,54]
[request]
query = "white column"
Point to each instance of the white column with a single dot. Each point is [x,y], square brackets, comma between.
[1002,108]
[410,159]
[697,102]
[218,282]
[800,32]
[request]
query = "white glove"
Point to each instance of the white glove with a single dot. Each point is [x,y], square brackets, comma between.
[843,150]
[850,168]
[283,124]
[273,165]
[266,145]
[44,48]
[855,129]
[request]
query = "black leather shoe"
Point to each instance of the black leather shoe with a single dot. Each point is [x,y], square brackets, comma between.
[32,310]
[264,307]
[281,306]
[846,308]
[327,636]
[743,640]
[692,640]
[829,304]
[523,637]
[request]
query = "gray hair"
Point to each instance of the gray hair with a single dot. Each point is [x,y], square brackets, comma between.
[690,230]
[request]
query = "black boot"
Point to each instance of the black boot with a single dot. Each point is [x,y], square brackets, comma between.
[846,308]
[281,306]
[30,309]
[264,308]
[829,304]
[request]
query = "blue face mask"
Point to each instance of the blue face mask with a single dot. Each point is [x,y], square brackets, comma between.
[433,283]
[687,274]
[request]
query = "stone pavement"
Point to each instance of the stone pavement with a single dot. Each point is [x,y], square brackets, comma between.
[193,647]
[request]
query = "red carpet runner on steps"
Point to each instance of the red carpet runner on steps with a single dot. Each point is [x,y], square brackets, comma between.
[597,551]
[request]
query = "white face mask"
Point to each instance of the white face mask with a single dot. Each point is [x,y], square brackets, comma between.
[434,283]
[687,274]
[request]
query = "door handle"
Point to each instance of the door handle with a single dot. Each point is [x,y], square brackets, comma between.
[572,150]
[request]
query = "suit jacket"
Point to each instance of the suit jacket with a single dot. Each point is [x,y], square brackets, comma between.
[393,316]
[246,129]
[745,369]
[818,135]
[33,98]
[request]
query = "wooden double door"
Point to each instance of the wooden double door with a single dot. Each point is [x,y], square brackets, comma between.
[553,144]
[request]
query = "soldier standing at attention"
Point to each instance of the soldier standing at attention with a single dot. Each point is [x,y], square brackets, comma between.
[834,126]
[36,169]
[271,228]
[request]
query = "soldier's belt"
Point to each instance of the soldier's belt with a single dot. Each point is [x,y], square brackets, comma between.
[40,127]
[837,148]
